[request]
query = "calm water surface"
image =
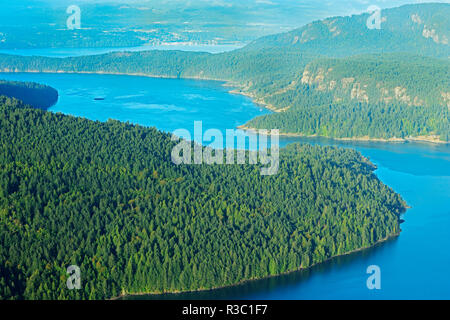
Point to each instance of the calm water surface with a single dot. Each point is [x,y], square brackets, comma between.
[415,265]
[76,52]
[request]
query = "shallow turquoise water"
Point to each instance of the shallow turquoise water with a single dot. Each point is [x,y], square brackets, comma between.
[413,266]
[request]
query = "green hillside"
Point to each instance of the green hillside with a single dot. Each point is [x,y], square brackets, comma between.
[377,96]
[416,29]
[334,78]
[107,197]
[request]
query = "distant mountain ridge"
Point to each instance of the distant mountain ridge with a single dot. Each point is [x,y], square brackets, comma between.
[420,28]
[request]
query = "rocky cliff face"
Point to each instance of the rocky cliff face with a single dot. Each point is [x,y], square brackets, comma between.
[377,80]
[354,88]
[432,31]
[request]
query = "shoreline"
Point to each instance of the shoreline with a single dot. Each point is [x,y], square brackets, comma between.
[390,237]
[424,139]
[134,74]
[226,83]
[258,101]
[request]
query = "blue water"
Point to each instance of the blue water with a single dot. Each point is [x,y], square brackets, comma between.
[163,103]
[77,52]
[413,266]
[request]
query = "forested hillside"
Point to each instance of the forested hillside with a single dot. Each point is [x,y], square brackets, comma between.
[106,197]
[416,29]
[35,94]
[377,96]
[396,87]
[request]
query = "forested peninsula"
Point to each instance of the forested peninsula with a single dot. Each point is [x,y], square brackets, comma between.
[107,197]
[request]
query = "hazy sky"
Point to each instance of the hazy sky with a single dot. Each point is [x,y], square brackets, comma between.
[337,7]
[351,4]
[296,12]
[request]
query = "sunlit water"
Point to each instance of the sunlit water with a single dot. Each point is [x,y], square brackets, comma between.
[414,265]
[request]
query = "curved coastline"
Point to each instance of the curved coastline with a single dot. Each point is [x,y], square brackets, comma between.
[233,85]
[140,294]
[230,84]
[424,139]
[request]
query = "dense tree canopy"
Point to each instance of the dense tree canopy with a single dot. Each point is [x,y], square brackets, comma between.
[106,197]
[35,94]
[377,96]
[387,95]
